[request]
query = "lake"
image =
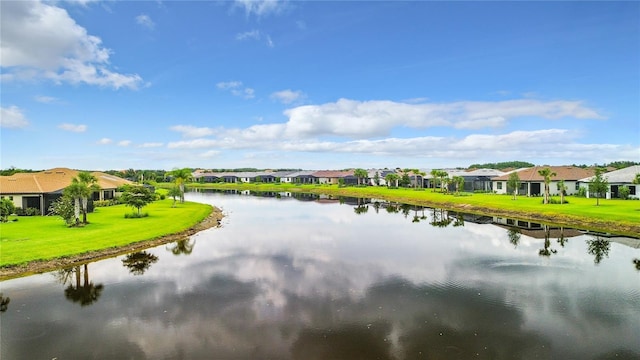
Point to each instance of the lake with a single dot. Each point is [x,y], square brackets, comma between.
[321,278]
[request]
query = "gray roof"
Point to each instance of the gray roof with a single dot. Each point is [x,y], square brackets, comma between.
[625,175]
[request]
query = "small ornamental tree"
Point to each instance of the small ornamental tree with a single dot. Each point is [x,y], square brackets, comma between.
[458,181]
[64,208]
[547,174]
[137,197]
[562,188]
[513,184]
[6,208]
[175,193]
[598,185]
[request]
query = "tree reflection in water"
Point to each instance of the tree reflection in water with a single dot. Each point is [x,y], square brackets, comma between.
[4,303]
[547,251]
[514,235]
[599,248]
[139,262]
[636,262]
[85,292]
[184,246]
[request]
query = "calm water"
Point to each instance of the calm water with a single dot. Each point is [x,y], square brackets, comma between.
[323,280]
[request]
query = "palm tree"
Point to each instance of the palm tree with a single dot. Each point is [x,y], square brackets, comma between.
[547,174]
[443,175]
[180,176]
[360,174]
[459,182]
[89,184]
[391,178]
[75,191]
[562,188]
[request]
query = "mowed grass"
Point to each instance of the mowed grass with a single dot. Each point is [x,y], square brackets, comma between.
[47,237]
[613,211]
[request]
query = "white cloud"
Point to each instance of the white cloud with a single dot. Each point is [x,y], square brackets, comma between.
[45,99]
[269,41]
[254,34]
[12,118]
[262,7]
[41,40]
[145,21]
[73,127]
[104,141]
[189,131]
[287,96]
[151,145]
[124,143]
[237,89]
[362,119]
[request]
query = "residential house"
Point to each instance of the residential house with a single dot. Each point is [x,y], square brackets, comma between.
[475,180]
[532,183]
[39,190]
[617,179]
[332,177]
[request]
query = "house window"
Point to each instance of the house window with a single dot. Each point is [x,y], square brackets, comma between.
[499,185]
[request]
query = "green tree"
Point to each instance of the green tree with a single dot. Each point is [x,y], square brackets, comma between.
[175,193]
[180,177]
[75,191]
[376,178]
[89,185]
[458,181]
[360,174]
[6,208]
[636,180]
[623,192]
[513,184]
[547,174]
[562,188]
[64,208]
[434,176]
[598,184]
[391,178]
[444,177]
[137,197]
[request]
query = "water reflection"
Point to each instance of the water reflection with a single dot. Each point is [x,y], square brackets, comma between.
[4,303]
[182,247]
[85,293]
[599,248]
[306,280]
[139,262]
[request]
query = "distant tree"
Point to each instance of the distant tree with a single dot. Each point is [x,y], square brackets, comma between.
[376,179]
[547,174]
[419,174]
[175,193]
[598,184]
[434,175]
[458,181]
[513,184]
[636,180]
[180,177]
[562,188]
[6,208]
[502,165]
[360,174]
[137,197]
[392,178]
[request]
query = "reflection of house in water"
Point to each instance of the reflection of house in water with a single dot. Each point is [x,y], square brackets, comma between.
[472,218]
[536,230]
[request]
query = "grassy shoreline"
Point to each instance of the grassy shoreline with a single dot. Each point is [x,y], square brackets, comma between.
[34,244]
[614,215]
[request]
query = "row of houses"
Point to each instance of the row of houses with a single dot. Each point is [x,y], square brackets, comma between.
[484,180]
[39,190]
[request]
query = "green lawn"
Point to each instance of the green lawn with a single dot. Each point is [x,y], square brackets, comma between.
[47,237]
[622,216]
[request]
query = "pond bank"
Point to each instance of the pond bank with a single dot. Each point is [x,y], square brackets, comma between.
[36,267]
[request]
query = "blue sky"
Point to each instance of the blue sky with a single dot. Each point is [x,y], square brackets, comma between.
[103,85]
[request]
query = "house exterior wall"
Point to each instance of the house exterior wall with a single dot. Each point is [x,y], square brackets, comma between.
[633,189]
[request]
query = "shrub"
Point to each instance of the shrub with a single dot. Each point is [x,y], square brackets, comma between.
[556,201]
[582,192]
[103,203]
[135,215]
[623,192]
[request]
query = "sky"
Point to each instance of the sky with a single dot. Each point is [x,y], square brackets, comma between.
[101,85]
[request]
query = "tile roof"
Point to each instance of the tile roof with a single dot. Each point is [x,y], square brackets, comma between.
[625,175]
[52,180]
[567,173]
